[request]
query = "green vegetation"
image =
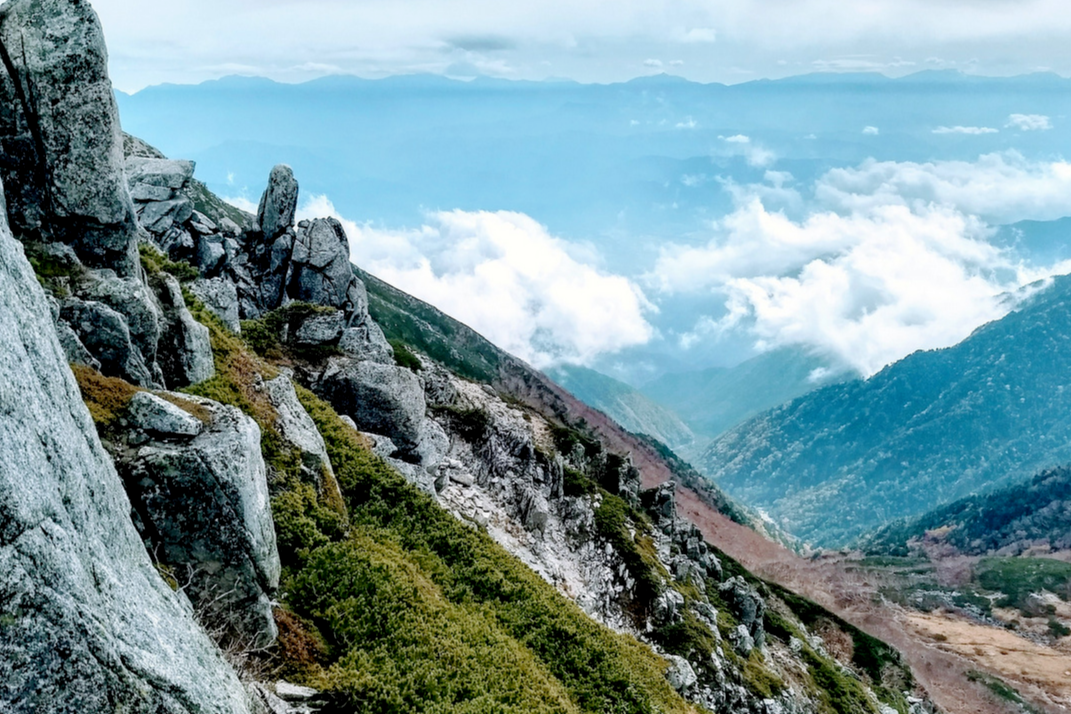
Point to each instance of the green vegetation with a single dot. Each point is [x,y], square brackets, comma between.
[1014,517]
[1000,688]
[418,567]
[266,335]
[838,691]
[1017,578]
[154,262]
[56,273]
[472,425]
[628,532]
[414,323]
[403,357]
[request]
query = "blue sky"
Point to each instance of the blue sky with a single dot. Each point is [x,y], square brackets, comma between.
[588,40]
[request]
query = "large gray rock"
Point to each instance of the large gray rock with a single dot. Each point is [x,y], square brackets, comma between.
[185,353]
[382,399]
[132,299]
[220,296]
[161,418]
[106,335]
[203,509]
[747,605]
[86,623]
[278,204]
[164,173]
[320,270]
[320,328]
[366,341]
[60,124]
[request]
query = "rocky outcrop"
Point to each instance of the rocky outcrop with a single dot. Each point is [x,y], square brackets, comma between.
[201,501]
[320,270]
[270,244]
[298,432]
[383,399]
[86,623]
[185,352]
[220,296]
[105,334]
[59,127]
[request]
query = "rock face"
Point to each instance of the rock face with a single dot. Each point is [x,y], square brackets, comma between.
[202,505]
[382,399]
[297,429]
[60,122]
[185,352]
[105,334]
[88,625]
[320,270]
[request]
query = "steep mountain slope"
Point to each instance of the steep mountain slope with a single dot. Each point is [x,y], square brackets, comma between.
[927,430]
[712,401]
[623,404]
[1034,513]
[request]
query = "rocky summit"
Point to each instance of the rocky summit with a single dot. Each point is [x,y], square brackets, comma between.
[223,489]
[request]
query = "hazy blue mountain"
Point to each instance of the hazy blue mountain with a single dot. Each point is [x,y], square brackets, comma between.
[1009,519]
[711,401]
[935,427]
[624,404]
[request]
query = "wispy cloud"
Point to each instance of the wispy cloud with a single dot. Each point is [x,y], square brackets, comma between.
[1029,122]
[972,130]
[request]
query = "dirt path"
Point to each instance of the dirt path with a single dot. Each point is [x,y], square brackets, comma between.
[850,594]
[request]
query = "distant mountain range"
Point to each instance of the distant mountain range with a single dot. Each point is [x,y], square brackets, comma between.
[930,429]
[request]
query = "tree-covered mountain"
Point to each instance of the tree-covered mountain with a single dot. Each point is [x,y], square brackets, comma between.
[930,429]
[1012,519]
[625,405]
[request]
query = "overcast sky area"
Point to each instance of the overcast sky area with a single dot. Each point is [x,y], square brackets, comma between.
[726,41]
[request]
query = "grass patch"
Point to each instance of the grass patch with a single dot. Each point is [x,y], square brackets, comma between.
[403,357]
[1018,578]
[1002,690]
[838,692]
[154,262]
[629,535]
[106,397]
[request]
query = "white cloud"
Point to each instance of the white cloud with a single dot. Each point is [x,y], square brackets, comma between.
[653,63]
[891,258]
[688,123]
[871,130]
[1000,188]
[970,130]
[736,139]
[532,294]
[1029,122]
[755,154]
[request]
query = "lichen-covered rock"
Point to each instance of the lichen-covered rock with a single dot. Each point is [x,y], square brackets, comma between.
[221,298]
[132,299]
[86,623]
[366,341]
[202,508]
[104,332]
[319,328]
[185,353]
[60,123]
[299,432]
[382,399]
[320,270]
[278,204]
[746,604]
[161,418]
